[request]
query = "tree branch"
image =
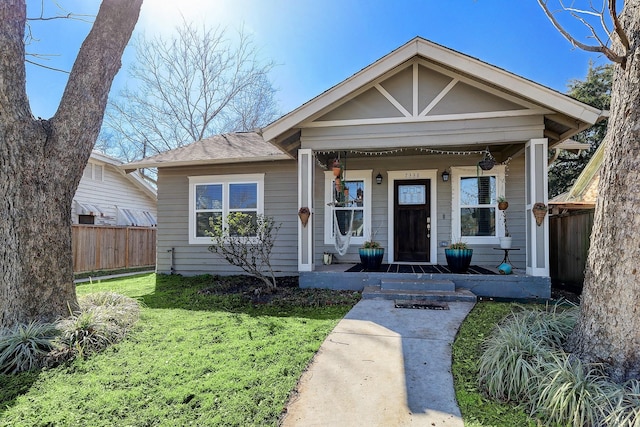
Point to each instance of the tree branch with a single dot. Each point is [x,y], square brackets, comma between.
[601,48]
[616,25]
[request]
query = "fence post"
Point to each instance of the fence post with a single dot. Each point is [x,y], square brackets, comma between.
[126,249]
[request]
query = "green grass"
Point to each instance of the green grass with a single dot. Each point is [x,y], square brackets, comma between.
[477,409]
[192,359]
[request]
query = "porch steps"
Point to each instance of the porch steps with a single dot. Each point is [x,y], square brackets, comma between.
[417,290]
[417,285]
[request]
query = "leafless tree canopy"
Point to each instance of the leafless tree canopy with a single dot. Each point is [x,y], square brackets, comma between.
[192,85]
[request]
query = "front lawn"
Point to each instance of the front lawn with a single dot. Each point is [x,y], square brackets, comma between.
[202,354]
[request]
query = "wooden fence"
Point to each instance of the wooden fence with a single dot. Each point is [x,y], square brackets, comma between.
[569,240]
[97,247]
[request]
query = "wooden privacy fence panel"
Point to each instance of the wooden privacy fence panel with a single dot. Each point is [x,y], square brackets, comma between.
[108,248]
[570,237]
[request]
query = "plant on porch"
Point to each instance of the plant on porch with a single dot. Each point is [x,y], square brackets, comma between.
[458,256]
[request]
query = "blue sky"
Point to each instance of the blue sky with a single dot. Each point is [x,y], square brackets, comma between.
[318,43]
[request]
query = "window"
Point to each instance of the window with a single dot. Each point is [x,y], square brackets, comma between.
[86,219]
[218,196]
[93,171]
[358,204]
[474,201]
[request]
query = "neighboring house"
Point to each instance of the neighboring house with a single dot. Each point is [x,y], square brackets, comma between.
[108,196]
[410,130]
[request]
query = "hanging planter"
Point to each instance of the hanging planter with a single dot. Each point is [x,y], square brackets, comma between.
[304,213]
[488,162]
[338,185]
[503,205]
[539,211]
[337,168]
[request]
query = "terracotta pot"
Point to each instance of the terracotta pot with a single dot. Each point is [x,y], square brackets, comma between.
[336,171]
[503,206]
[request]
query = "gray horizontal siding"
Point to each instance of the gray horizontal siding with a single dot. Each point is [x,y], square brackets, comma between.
[280,202]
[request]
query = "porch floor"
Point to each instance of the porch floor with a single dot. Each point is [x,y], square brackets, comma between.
[419,269]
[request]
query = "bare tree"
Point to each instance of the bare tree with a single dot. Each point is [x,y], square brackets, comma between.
[41,161]
[193,85]
[608,330]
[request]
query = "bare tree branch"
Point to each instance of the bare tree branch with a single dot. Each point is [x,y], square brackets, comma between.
[589,48]
[44,66]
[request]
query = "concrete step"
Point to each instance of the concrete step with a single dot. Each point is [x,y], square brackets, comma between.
[373,292]
[417,285]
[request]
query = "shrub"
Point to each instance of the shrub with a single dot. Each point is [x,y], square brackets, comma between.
[573,393]
[246,241]
[510,361]
[24,347]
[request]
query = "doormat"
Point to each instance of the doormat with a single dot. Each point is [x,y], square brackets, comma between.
[418,269]
[421,304]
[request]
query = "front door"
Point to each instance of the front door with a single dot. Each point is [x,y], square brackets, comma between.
[412,221]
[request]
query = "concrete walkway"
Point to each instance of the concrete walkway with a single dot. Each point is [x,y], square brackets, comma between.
[382,366]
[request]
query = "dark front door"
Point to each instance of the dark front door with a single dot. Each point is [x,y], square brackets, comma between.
[412,221]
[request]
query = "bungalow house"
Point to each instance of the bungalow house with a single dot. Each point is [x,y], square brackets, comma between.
[410,132]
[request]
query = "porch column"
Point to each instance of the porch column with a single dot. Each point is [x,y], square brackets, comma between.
[305,199]
[536,191]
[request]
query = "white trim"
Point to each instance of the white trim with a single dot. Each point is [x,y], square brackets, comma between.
[416,92]
[305,199]
[392,100]
[349,175]
[421,119]
[430,174]
[532,268]
[223,180]
[458,172]
[439,97]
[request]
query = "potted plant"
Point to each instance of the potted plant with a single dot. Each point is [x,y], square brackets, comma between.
[371,254]
[502,203]
[506,240]
[458,257]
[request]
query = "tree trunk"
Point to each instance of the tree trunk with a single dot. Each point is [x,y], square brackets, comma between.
[42,161]
[608,330]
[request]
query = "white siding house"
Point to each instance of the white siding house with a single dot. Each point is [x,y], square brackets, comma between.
[108,196]
[409,131]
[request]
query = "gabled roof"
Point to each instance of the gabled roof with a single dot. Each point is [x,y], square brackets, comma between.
[238,147]
[135,177]
[566,116]
[584,191]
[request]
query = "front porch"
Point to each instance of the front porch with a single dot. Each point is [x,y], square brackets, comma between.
[405,280]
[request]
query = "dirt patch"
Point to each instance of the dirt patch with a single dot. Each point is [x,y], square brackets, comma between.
[286,292]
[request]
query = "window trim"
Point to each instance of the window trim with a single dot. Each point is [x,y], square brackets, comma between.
[223,180]
[458,172]
[350,175]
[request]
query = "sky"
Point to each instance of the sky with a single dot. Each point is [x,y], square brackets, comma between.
[316,44]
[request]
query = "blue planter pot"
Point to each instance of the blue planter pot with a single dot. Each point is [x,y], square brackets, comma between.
[371,258]
[458,260]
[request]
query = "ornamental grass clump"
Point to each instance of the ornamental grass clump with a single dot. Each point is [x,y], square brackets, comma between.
[513,354]
[573,393]
[25,346]
[626,412]
[104,318]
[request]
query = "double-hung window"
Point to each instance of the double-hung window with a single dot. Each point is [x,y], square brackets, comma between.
[338,211]
[475,206]
[215,197]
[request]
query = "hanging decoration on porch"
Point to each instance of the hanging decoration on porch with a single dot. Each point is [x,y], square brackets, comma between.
[304,213]
[539,211]
[341,200]
[488,162]
[342,241]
